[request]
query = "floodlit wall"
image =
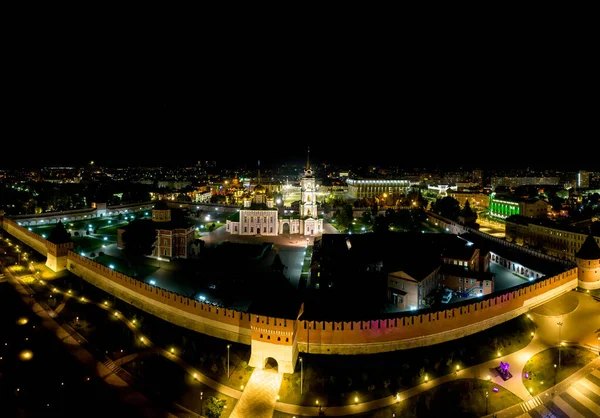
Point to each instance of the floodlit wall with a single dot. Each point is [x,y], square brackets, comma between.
[417,330]
[282,339]
[24,235]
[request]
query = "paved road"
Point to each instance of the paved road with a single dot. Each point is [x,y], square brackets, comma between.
[260,395]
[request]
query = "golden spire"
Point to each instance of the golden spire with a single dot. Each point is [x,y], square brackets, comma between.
[308,159]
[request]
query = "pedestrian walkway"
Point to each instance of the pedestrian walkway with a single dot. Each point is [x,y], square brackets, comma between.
[576,396]
[128,395]
[260,395]
[581,399]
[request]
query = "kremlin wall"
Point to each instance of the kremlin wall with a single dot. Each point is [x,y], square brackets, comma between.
[282,339]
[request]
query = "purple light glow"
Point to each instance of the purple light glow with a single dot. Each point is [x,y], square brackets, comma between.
[495,389]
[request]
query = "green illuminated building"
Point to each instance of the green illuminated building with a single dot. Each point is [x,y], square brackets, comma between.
[503,208]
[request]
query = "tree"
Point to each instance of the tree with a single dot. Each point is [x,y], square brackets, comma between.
[214,407]
[343,216]
[138,241]
[448,207]
[59,235]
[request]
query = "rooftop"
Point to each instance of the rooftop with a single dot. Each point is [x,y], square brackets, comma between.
[589,249]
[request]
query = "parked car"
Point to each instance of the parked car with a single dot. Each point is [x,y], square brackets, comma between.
[447,296]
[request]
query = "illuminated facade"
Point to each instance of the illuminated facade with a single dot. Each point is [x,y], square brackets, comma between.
[503,207]
[259,216]
[174,238]
[545,235]
[364,188]
[524,181]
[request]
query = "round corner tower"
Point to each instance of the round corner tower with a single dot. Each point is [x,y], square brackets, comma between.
[588,264]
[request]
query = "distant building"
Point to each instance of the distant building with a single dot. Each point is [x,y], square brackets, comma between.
[505,206]
[583,179]
[175,238]
[524,181]
[360,188]
[553,238]
[477,177]
[259,216]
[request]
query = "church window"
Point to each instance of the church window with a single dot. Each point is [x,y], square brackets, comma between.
[268,337]
[251,229]
[271,230]
[278,338]
[265,220]
[245,229]
[165,252]
[252,219]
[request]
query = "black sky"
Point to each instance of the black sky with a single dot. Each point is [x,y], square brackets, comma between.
[133,102]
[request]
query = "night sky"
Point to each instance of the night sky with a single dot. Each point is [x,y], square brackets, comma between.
[132,104]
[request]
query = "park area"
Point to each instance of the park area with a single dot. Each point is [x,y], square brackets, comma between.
[543,371]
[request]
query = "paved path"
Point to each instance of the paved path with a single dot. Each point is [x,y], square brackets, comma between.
[74,347]
[580,327]
[260,395]
[576,396]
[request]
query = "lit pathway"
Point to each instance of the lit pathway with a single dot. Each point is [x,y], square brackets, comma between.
[579,313]
[169,354]
[260,395]
[128,395]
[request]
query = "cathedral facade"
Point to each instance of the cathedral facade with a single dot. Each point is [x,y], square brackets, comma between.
[259,216]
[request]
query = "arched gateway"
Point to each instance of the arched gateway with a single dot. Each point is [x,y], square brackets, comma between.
[273,344]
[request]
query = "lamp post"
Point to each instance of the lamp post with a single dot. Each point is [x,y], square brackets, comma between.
[486,402]
[228,346]
[301,376]
[201,404]
[559,341]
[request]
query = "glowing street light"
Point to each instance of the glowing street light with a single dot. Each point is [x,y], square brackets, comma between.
[560,324]
[301,376]
[228,347]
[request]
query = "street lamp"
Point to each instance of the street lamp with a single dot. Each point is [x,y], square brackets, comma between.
[228,346]
[559,341]
[201,404]
[486,402]
[301,376]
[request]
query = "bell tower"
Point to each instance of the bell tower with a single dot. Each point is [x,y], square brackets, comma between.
[308,204]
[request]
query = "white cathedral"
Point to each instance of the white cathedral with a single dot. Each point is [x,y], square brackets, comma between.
[258,215]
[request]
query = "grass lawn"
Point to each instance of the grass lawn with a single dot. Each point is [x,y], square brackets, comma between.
[459,398]
[122,266]
[542,371]
[335,379]
[104,331]
[165,382]
[205,353]
[87,244]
